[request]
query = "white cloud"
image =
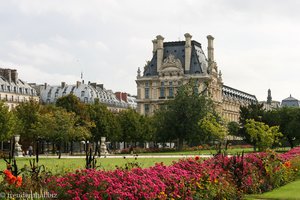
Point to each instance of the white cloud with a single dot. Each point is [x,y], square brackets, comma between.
[256,42]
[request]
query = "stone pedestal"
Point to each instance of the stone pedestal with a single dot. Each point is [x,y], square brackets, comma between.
[103,147]
[18,150]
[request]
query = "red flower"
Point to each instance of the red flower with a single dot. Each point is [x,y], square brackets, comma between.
[197,158]
[287,164]
[19,181]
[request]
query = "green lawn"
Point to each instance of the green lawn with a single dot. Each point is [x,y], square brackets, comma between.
[231,151]
[290,191]
[71,164]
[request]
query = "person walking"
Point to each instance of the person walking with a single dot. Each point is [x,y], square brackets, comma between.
[30,150]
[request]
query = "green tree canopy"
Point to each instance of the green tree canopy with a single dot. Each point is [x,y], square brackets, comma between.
[179,118]
[130,126]
[261,134]
[288,120]
[251,111]
[105,123]
[7,122]
[27,114]
[213,128]
[233,128]
[59,126]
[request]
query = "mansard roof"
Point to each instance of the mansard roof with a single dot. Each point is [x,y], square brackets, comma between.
[198,63]
[240,95]
[85,92]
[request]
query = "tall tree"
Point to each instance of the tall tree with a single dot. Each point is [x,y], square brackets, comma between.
[251,111]
[7,122]
[261,134]
[99,116]
[72,104]
[105,124]
[181,115]
[290,124]
[233,128]
[27,114]
[59,126]
[130,126]
[214,129]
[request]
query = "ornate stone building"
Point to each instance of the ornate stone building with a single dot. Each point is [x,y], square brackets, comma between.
[13,90]
[176,63]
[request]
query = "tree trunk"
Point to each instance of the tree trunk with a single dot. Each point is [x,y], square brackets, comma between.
[254,147]
[180,144]
[53,148]
[37,151]
[59,149]
[290,140]
[71,147]
[97,152]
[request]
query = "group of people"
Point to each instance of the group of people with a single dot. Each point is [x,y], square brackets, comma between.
[29,152]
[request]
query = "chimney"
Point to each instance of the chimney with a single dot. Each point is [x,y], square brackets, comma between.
[160,51]
[45,85]
[63,84]
[210,48]
[188,51]
[154,46]
[124,97]
[94,85]
[118,95]
[14,75]
[7,75]
[78,83]
[100,86]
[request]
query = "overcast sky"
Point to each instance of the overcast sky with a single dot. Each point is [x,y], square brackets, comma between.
[257,43]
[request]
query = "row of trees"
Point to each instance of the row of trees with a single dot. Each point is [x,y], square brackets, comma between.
[268,128]
[70,120]
[189,118]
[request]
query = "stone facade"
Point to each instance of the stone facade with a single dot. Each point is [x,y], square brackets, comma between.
[177,63]
[13,90]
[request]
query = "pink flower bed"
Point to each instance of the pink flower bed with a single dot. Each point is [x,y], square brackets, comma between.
[220,177]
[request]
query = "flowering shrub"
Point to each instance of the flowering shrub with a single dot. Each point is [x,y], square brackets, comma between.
[11,179]
[27,179]
[220,177]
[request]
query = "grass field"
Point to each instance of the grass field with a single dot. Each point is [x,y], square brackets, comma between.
[63,165]
[230,151]
[290,191]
